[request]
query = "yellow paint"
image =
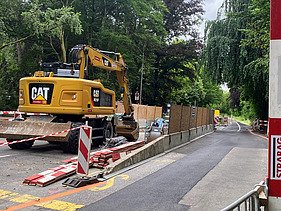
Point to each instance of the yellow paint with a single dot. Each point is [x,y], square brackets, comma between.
[7,194]
[51,197]
[23,198]
[124,176]
[60,205]
[109,183]
[49,202]
[52,204]
[4,192]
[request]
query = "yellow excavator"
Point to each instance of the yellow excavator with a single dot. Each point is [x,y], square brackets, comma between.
[64,92]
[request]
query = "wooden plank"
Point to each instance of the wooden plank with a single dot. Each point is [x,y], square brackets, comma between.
[185,118]
[175,119]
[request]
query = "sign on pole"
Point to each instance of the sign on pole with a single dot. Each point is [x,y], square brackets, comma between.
[274,130]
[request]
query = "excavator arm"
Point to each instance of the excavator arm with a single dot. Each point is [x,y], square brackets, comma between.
[85,55]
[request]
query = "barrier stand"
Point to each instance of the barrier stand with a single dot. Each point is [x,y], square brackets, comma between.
[85,142]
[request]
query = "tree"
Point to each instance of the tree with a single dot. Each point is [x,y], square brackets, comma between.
[134,28]
[236,51]
[145,32]
[173,56]
[53,23]
[183,17]
[199,90]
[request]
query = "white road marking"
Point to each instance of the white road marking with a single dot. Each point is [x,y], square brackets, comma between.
[3,156]
[239,127]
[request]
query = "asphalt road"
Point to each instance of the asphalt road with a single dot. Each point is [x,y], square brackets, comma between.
[159,184]
[164,189]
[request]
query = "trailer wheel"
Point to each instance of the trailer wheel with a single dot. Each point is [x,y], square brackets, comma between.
[71,146]
[22,145]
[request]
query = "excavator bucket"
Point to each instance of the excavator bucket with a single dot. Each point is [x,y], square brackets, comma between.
[129,129]
[17,130]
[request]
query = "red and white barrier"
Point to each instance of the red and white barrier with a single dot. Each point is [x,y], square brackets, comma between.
[99,159]
[22,113]
[216,120]
[85,141]
[52,175]
[103,158]
[7,112]
[263,123]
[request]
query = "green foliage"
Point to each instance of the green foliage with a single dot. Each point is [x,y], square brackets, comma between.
[145,32]
[182,18]
[9,81]
[53,23]
[224,105]
[246,114]
[199,90]
[237,49]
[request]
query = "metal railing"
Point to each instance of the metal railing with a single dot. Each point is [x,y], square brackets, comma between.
[250,201]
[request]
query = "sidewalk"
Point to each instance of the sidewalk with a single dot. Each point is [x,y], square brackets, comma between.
[234,176]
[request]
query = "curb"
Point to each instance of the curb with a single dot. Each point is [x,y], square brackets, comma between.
[158,147]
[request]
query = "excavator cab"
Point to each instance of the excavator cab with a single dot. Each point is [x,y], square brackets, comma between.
[57,69]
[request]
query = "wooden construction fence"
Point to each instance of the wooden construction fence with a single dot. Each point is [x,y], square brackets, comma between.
[183,118]
[142,112]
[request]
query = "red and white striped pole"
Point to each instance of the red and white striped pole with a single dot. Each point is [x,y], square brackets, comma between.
[85,141]
[274,130]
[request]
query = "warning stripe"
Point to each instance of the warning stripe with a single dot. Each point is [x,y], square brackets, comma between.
[263,123]
[83,160]
[52,175]
[84,150]
[25,113]
[98,159]
[68,170]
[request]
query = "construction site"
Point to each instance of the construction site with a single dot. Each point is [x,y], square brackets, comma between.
[61,111]
[140,105]
[45,166]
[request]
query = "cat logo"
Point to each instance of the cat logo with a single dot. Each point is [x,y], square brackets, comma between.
[41,93]
[106,62]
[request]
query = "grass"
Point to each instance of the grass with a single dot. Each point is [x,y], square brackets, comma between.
[242,120]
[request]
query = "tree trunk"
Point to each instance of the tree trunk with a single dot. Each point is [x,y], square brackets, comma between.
[53,47]
[62,44]
[17,41]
